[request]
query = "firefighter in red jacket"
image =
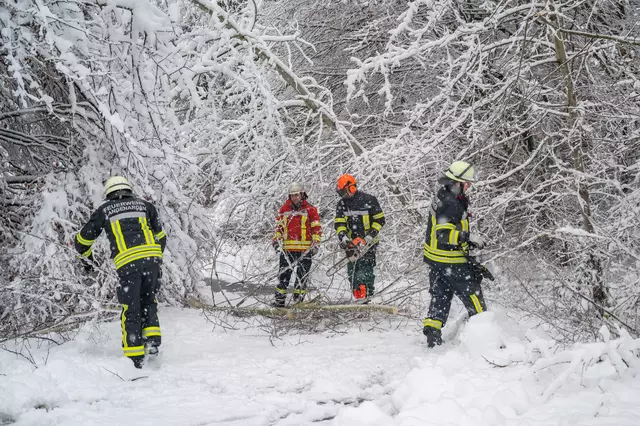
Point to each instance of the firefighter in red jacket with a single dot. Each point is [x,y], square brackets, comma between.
[296,238]
[137,245]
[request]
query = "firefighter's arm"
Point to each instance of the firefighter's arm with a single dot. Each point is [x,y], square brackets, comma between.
[316,228]
[377,219]
[448,235]
[340,222]
[159,235]
[446,231]
[90,231]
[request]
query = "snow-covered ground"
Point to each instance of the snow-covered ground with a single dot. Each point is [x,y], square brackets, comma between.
[493,371]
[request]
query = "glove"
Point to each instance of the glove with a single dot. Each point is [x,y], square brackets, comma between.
[348,246]
[276,246]
[369,239]
[314,250]
[477,241]
[345,241]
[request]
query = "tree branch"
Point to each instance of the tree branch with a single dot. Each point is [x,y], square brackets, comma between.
[618,39]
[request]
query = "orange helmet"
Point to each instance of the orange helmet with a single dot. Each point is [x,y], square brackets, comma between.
[346,185]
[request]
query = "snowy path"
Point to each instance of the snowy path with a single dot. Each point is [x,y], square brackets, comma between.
[218,377]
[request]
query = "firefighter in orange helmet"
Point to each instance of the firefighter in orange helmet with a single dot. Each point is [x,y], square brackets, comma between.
[359,219]
[296,239]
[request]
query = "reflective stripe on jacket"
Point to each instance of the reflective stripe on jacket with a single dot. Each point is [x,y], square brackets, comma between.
[297,228]
[132,228]
[359,215]
[447,229]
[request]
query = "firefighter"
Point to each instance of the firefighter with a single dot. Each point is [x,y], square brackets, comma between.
[359,219]
[137,245]
[446,250]
[296,240]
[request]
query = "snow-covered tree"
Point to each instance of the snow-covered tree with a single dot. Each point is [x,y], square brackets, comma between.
[543,98]
[212,109]
[177,99]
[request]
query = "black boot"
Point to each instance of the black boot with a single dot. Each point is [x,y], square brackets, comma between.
[298,298]
[434,336]
[138,361]
[279,301]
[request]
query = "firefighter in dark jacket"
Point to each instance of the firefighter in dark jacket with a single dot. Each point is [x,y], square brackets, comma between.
[137,244]
[296,239]
[358,221]
[446,250]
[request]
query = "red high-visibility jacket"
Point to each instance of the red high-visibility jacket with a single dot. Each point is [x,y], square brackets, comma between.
[297,229]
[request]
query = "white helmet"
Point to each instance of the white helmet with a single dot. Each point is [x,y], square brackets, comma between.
[295,188]
[116,183]
[461,171]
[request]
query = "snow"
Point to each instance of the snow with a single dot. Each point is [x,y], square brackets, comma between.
[493,370]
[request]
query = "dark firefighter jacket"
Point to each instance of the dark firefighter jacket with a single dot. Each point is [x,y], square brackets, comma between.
[359,216]
[132,228]
[447,229]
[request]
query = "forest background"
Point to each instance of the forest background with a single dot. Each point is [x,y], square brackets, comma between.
[212,109]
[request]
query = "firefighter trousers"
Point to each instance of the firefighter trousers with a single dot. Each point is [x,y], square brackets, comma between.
[291,261]
[361,272]
[445,281]
[139,284]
